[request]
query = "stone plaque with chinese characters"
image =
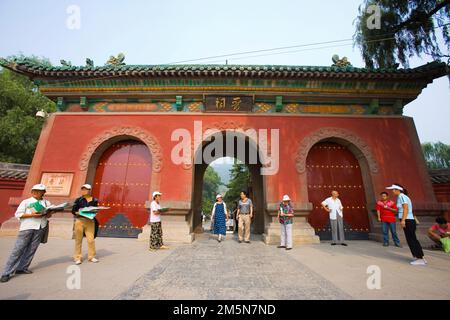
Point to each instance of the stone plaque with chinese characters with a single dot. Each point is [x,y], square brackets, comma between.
[228,103]
[57,184]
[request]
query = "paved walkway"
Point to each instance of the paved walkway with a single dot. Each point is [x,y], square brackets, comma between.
[229,270]
[207,269]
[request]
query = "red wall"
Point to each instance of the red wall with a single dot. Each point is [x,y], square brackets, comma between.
[392,141]
[8,189]
[442,192]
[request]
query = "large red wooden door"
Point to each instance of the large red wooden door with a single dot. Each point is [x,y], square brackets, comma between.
[331,166]
[122,182]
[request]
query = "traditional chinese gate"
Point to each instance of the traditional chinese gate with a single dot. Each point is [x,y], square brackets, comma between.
[255,189]
[122,182]
[331,166]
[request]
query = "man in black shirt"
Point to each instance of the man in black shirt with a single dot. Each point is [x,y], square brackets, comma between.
[83,225]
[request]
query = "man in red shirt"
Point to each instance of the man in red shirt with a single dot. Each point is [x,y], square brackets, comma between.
[386,210]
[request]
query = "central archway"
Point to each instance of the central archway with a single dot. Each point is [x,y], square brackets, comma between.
[250,156]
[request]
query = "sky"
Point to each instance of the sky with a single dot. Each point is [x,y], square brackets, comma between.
[158,32]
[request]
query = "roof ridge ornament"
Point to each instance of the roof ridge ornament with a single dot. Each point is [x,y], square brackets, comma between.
[89,63]
[65,63]
[341,63]
[116,61]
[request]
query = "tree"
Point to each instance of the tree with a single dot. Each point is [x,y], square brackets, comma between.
[406,28]
[239,181]
[19,127]
[437,155]
[211,183]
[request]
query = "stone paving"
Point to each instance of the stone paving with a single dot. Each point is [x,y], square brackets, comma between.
[206,269]
[229,270]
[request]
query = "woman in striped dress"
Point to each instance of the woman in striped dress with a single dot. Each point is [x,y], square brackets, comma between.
[220,216]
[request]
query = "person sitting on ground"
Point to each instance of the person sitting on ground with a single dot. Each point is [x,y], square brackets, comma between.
[441,229]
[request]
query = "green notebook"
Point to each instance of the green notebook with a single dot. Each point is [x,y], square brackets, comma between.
[164,209]
[36,207]
[87,214]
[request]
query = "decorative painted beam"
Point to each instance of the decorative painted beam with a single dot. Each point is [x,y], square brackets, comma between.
[83,103]
[179,103]
[278,103]
[60,104]
[398,106]
[373,106]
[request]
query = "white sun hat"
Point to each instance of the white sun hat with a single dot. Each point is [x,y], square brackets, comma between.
[395,187]
[39,187]
[286,198]
[86,186]
[218,196]
[156,193]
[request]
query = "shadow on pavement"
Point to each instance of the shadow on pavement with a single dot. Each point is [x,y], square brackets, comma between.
[68,259]
[22,296]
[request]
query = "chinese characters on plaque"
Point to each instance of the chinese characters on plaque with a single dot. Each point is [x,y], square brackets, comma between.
[58,184]
[228,103]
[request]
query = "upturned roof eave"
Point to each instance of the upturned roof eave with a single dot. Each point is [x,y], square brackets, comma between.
[426,72]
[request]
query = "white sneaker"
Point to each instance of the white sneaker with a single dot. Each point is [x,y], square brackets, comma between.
[94,260]
[419,262]
[78,262]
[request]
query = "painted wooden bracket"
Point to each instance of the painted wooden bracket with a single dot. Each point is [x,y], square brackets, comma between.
[398,106]
[278,103]
[60,104]
[373,106]
[179,103]
[83,103]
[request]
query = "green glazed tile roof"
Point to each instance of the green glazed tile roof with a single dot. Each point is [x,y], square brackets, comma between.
[34,70]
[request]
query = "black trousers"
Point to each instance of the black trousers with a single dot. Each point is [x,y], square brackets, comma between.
[413,243]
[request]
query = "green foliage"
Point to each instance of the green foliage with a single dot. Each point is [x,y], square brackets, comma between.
[19,127]
[239,181]
[437,155]
[408,27]
[211,183]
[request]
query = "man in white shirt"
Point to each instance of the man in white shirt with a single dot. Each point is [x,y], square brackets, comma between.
[33,220]
[334,207]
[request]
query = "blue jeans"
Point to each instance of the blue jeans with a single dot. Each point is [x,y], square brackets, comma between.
[392,226]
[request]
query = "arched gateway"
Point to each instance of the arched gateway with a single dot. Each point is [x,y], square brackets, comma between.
[140,107]
[331,166]
[122,182]
[239,146]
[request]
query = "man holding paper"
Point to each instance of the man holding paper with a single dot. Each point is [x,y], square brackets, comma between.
[84,224]
[33,216]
